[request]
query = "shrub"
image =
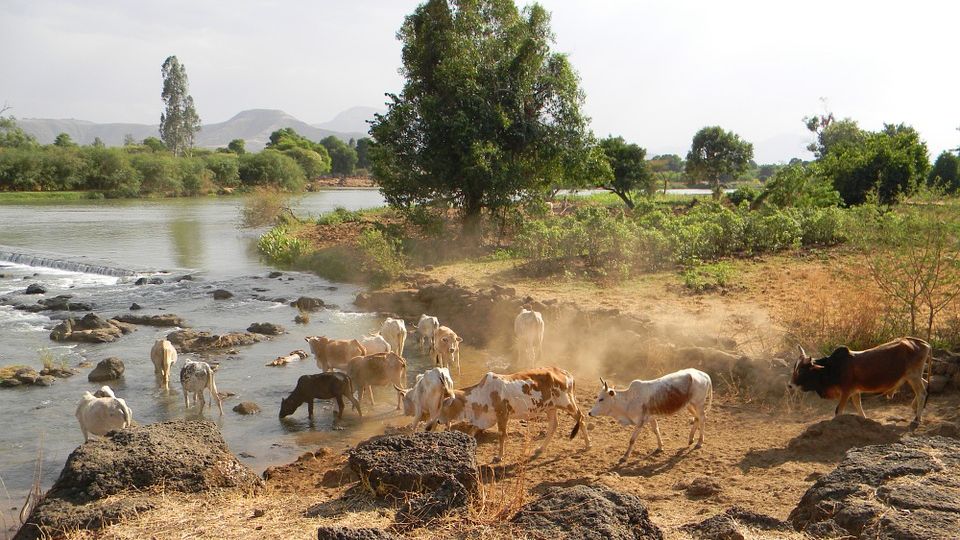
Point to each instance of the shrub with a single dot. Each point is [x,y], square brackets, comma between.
[338,216]
[158,172]
[766,233]
[381,258]
[271,167]
[279,246]
[263,207]
[194,176]
[707,277]
[743,194]
[225,169]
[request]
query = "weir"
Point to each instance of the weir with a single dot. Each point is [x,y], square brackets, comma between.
[47,260]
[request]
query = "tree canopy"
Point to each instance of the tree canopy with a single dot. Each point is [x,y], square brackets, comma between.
[487,111]
[946,172]
[342,156]
[630,173]
[716,153]
[179,121]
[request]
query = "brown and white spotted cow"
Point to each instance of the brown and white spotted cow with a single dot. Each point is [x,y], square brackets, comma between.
[645,400]
[498,398]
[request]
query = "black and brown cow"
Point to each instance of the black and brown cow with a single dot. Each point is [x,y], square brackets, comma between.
[846,374]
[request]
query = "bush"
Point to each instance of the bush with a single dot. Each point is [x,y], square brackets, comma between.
[194,176]
[111,172]
[225,169]
[381,258]
[312,163]
[158,172]
[263,207]
[765,233]
[707,277]
[338,216]
[743,194]
[279,246]
[271,167]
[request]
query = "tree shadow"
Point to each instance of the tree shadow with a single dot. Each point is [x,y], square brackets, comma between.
[826,441]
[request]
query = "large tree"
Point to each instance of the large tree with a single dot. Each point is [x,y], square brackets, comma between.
[487,112]
[630,171]
[946,172]
[342,156]
[716,153]
[179,121]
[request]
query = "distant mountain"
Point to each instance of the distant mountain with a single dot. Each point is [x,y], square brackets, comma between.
[253,126]
[353,119]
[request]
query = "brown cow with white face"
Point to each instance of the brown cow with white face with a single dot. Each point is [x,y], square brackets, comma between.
[446,348]
[845,374]
[334,353]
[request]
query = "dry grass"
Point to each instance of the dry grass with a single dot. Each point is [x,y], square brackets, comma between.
[6,372]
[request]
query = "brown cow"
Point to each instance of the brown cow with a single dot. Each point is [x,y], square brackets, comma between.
[883,369]
[379,369]
[445,348]
[333,353]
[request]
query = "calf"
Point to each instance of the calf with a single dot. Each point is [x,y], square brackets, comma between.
[194,378]
[395,332]
[379,369]
[292,357]
[645,400]
[102,412]
[423,401]
[425,329]
[528,332]
[846,374]
[497,398]
[333,353]
[163,355]
[445,348]
[375,343]
[330,385]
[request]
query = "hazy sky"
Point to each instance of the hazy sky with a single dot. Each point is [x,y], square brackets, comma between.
[653,71]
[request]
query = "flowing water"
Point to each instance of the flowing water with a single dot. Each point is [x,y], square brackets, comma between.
[95,251]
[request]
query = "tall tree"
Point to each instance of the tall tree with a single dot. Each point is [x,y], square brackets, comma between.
[237,146]
[630,171]
[363,152]
[946,172]
[63,140]
[342,156]
[716,153]
[487,111]
[179,122]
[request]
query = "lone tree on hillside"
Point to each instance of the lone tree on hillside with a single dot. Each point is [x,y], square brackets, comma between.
[179,121]
[716,153]
[487,112]
[630,171]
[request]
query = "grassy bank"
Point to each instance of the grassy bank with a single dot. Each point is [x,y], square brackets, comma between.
[26,197]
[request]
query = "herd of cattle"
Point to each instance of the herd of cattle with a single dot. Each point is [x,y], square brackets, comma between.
[351,368]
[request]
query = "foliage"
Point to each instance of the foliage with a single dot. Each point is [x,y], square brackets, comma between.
[629,167]
[194,176]
[63,140]
[744,194]
[363,152]
[224,168]
[666,163]
[154,144]
[279,246]
[487,110]
[271,167]
[110,171]
[381,258]
[716,153]
[237,146]
[263,207]
[946,172]
[338,216]
[832,134]
[343,157]
[707,277]
[179,121]
[158,173]
[893,161]
[312,163]
[13,136]
[800,186]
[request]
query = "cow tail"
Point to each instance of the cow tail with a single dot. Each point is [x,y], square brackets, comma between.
[576,407]
[928,368]
[709,399]
[213,390]
[576,427]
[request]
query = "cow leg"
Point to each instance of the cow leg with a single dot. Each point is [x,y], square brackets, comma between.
[696,423]
[310,408]
[339,407]
[855,397]
[551,429]
[656,431]
[186,399]
[920,397]
[844,396]
[633,439]
[370,388]
[502,428]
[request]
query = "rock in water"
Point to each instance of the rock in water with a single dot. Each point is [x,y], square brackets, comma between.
[221,294]
[588,512]
[269,329]
[189,341]
[246,408]
[416,462]
[107,369]
[305,303]
[185,456]
[165,319]
[35,288]
[908,489]
[149,281]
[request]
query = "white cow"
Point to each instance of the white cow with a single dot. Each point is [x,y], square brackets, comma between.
[528,332]
[375,343]
[423,401]
[445,349]
[522,395]
[395,332]
[645,400]
[425,329]
[102,412]
[163,355]
[194,378]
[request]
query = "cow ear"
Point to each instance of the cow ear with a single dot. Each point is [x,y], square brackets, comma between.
[459,339]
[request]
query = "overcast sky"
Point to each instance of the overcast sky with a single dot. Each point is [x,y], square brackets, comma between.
[653,71]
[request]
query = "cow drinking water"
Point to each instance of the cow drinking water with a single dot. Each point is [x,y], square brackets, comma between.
[329,385]
[102,412]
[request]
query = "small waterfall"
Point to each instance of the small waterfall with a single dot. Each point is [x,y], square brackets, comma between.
[45,260]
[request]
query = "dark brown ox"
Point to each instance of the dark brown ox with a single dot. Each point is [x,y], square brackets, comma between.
[883,369]
[329,385]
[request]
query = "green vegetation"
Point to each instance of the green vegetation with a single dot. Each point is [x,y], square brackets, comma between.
[279,246]
[338,216]
[179,121]
[630,173]
[707,277]
[716,154]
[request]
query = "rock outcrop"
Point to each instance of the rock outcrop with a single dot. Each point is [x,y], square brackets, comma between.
[348,533]
[92,328]
[736,523]
[107,369]
[221,294]
[36,288]
[268,329]
[305,303]
[588,512]
[908,489]
[192,341]
[184,456]
[165,319]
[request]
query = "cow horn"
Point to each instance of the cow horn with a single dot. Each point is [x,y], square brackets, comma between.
[803,353]
[604,383]
[401,390]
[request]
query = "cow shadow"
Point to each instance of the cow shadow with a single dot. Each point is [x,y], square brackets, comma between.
[826,441]
[636,467]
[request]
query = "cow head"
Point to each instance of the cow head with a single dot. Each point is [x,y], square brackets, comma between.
[604,400]
[408,408]
[287,407]
[807,373]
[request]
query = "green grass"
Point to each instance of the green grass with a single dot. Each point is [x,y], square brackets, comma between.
[14,197]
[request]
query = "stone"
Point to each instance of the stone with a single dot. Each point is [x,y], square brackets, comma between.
[246,408]
[165,319]
[90,329]
[907,489]
[191,341]
[269,329]
[181,456]
[45,380]
[937,384]
[26,375]
[274,274]
[62,302]
[348,533]
[702,487]
[58,372]
[416,462]
[588,512]
[434,504]
[135,307]
[107,369]
[36,288]
[185,277]
[735,523]
[305,303]
[149,281]
[221,294]
[10,383]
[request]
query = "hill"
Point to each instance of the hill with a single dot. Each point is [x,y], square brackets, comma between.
[254,126]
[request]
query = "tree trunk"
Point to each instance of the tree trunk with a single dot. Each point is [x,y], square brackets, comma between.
[623,196]
[472,212]
[717,192]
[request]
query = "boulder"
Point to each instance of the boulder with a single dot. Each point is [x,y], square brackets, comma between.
[91,328]
[26,375]
[149,281]
[191,341]
[736,523]
[269,329]
[135,307]
[107,369]
[181,456]
[246,408]
[702,487]
[416,462]
[62,302]
[166,319]
[36,288]
[434,504]
[221,294]
[348,533]
[10,383]
[45,380]
[908,489]
[588,512]
[274,274]
[305,303]
[58,372]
